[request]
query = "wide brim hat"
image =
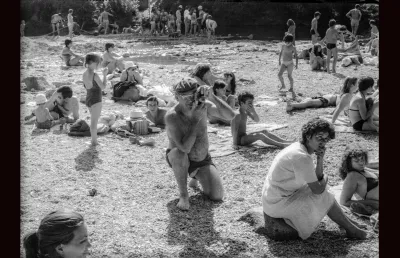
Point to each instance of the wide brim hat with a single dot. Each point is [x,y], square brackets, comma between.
[40,99]
[129,64]
[135,114]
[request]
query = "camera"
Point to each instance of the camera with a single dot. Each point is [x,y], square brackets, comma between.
[200,96]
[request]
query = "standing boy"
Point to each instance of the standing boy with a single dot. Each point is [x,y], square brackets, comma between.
[331,38]
[314,26]
[355,17]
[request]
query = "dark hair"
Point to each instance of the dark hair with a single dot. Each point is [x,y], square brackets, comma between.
[332,22]
[290,22]
[209,17]
[317,14]
[353,150]
[373,22]
[315,50]
[233,82]
[243,96]
[365,82]
[70,10]
[357,6]
[316,125]
[90,58]
[152,98]
[67,42]
[56,228]
[109,45]
[65,91]
[218,84]
[347,84]
[288,38]
[200,70]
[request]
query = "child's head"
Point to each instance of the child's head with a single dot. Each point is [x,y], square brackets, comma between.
[209,17]
[70,11]
[355,157]
[40,99]
[290,22]
[365,83]
[317,48]
[317,15]
[65,92]
[201,69]
[68,42]
[332,22]
[358,6]
[231,79]
[245,98]
[23,22]
[288,39]
[372,23]
[219,88]
[349,85]
[152,103]
[109,46]
[92,61]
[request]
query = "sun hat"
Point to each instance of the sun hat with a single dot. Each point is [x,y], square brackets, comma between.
[185,85]
[135,114]
[200,7]
[129,64]
[40,99]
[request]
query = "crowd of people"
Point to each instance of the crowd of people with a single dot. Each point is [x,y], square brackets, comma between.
[295,189]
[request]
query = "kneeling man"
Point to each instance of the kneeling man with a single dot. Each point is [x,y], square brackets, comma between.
[187,153]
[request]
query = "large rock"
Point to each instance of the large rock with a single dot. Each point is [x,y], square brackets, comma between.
[59,84]
[274,228]
[37,83]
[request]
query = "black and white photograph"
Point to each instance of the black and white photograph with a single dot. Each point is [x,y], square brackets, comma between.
[199,128]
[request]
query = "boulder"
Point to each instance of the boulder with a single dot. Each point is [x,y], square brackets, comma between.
[59,84]
[49,93]
[274,228]
[37,83]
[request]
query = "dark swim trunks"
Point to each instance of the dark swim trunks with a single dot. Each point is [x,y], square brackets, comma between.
[312,32]
[330,46]
[358,126]
[44,125]
[58,111]
[324,101]
[194,166]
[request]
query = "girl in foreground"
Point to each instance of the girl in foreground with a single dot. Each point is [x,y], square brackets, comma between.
[358,181]
[61,234]
[94,87]
[341,101]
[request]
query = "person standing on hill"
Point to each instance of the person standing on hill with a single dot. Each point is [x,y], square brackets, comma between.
[186,18]
[70,23]
[179,19]
[104,20]
[56,20]
[292,29]
[314,26]
[355,17]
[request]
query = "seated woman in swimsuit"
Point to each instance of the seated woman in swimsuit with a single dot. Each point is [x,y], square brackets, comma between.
[317,58]
[66,55]
[230,89]
[131,73]
[219,90]
[112,60]
[360,113]
[357,181]
[341,101]
[203,75]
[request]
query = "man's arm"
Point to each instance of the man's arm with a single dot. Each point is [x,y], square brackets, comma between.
[297,59]
[349,14]
[280,55]
[251,112]
[186,142]
[319,186]
[235,128]
[221,109]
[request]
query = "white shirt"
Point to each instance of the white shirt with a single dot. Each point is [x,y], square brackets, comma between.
[186,14]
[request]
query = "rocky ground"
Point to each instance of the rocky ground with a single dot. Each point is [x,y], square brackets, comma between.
[134,214]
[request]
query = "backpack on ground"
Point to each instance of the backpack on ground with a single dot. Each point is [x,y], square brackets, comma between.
[120,87]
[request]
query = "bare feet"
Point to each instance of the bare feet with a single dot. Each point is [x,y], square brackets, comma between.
[357,233]
[194,183]
[282,88]
[183,203]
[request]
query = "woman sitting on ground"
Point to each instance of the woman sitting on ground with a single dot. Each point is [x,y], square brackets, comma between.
[361,108]
[66,55]
[230,80]
[61,233]
[112,60]
[317,58]
[135,90]
[341,101]
[219,90]
[294,195]
[203,75]
[131,73]
[357,180]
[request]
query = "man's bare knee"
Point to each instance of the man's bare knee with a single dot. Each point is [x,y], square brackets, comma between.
[178,158]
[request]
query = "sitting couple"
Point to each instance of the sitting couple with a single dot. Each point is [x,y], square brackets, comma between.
[60,105]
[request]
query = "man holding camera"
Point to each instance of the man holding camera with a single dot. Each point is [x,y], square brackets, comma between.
[187,153]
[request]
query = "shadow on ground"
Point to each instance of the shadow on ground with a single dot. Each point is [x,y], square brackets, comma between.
[195,230]
[87,160]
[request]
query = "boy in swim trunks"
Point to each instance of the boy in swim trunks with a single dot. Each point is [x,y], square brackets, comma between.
[56,20]
[43,118]
[238,127]
[314,25]
[355,17]
[331,38]
[288,50]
